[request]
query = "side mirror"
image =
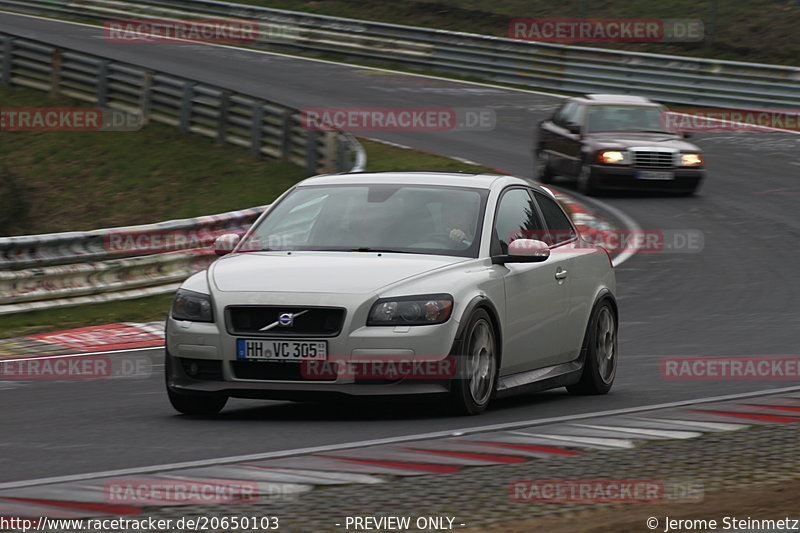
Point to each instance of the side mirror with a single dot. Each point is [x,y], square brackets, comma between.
[524,251]
[574,128]
[225,243]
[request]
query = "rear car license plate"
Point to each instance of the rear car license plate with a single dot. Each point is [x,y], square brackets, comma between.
[281,350]
[654,175]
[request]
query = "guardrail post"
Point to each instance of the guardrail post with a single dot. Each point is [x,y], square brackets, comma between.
[222,123]
[256,129]
[55,73]
[102,83]
[145,97]
[312,155]
[286,135]
[8,59]
[186,107]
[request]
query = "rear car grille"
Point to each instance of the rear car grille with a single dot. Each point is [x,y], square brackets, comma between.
[282,371]
[653,159]
[308,321]
[203,369]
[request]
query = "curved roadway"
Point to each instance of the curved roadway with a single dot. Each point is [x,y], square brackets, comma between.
[738,297]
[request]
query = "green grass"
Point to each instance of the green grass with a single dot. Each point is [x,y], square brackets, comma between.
[148,309]
[746,30]
[72,181]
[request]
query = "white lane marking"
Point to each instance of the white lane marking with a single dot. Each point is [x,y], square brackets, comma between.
[387,440]
[716,426]
[607,442]
[623,217]
[658,433]
[82,354]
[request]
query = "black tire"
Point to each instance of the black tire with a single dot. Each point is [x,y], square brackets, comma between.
[541,168]
[600,341]
[468,397]
[193,403]
[586,182]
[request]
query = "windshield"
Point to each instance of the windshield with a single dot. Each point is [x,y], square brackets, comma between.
[625,118]
[380,218]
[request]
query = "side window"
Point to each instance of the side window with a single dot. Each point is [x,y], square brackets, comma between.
[559,227]
[574,115]
[516,219]
[560,118]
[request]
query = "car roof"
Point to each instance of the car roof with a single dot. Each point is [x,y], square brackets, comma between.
[451,179]
[614,99]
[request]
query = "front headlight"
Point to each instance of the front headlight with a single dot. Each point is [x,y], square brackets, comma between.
[614,157]
[194,306]
[411,310]
[691,160]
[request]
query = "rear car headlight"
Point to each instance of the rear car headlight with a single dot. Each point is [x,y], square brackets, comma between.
[614,157]
[194,306]
[691,160]
[420,310]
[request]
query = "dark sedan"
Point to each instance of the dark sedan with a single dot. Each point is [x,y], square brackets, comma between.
[616,142]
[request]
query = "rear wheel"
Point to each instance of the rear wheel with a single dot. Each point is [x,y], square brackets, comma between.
[476,368]
[600,349]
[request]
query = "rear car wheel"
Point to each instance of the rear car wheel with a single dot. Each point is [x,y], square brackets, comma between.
[600,349]
[195,403]
[541,168]
[586,183]
[476,367]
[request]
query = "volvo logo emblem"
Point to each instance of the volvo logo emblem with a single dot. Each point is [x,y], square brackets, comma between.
[285,320]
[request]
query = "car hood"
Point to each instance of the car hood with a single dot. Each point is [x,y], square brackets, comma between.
[320,272]
[631,140]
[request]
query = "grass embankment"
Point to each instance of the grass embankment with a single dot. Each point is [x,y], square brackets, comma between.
[746,30]
[75,181]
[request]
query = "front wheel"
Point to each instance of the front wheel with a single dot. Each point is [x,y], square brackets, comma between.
[600,353]
[193,403]
[541,168]
[476,368]
[586,182]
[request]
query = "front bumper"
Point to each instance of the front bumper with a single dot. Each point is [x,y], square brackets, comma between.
[201,358]
[627,178]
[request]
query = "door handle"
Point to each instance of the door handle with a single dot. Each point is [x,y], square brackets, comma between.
[561,274]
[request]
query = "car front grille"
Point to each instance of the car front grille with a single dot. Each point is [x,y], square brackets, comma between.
[642,159]
[308,322]
[282,371]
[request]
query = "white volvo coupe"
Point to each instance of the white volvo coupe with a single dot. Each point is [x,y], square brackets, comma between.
[397,283]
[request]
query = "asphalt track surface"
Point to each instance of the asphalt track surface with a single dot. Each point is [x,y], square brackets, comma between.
[738,297]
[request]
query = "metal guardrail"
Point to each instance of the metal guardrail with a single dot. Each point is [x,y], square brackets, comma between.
[266,128]
[62,269]
[574,69]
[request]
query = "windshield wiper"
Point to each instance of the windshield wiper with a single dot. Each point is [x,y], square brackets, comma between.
[379,250]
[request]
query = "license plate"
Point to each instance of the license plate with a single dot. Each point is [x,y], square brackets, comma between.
[281,350]
[655,175]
